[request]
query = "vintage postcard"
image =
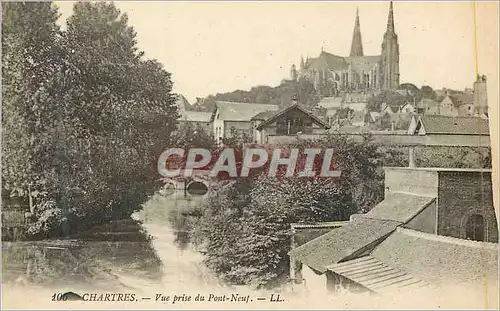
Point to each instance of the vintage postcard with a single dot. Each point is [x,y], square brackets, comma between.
[249,155]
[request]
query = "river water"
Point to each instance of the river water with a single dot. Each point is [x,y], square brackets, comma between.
[144,255]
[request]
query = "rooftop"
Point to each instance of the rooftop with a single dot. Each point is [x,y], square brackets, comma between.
[376,275]
[441,169]
[342,243]
[399,207]
[233,111]
[275,114]
[434,124]
[439,260]
[195,116]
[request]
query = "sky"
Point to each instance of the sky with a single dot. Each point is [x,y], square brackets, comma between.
[215,47]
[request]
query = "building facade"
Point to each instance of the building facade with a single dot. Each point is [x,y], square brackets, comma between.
[332,74]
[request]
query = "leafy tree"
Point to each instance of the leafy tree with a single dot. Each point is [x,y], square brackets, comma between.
[92,115]
[245,228]
[428,92]
[31,59]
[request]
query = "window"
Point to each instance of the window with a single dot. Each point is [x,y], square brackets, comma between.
[474,229]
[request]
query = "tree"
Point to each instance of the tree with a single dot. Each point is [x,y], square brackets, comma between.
[31,60]
[245,228]
[122,111]
[428,92]
[91,113]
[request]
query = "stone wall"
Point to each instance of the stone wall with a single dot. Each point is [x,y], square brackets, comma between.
[462,194]
[418,181]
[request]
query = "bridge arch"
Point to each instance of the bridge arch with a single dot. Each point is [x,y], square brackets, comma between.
[197,187]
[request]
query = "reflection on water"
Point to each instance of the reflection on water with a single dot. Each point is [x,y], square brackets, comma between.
[152,248]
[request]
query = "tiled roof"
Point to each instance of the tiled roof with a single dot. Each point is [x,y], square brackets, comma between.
[276,114]
[362,63]
[440,260]
[330,102]
[426,102]
[231,111]
[342,243]
[376,275]
[196,116]
[399,207]
[434,124]
[329,61]
[461,99]
[263,115]
[325,224]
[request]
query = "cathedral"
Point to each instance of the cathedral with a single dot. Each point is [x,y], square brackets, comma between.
[332,74]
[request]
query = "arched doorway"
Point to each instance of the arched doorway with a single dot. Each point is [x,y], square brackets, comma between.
[197,188]
[474,228]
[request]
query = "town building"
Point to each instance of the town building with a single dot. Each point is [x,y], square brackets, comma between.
[230,119]
[457,131]
[435,227]
[196,119]
[332,74]
[291,120]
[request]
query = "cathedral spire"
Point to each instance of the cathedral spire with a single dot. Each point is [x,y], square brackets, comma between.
[390,20]
[357,44]
[390,55]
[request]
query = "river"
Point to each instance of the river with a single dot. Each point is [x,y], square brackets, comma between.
[144,255]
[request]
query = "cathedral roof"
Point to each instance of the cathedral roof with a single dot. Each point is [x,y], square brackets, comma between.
[362,63]
[329,61]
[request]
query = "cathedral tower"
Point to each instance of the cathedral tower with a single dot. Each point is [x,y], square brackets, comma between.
[390,55]
[357,44]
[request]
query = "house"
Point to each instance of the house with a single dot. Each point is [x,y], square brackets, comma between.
[356,101]
[231,118]
[406,108]
[196,119]
[459,131]
[388,109]
[291,120]
[432,230]
[428,106]
[331,104]
[432,125]
[350,118]
[457,105]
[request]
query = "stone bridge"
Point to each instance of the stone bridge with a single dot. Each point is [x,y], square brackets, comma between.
[198,184]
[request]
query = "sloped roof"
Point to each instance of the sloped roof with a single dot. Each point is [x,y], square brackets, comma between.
[232,111]
[263,115]
[273,118]
[342,243]
[462,99]
[426,102]
[439,259]
[399,207]
[196,116]
[376,275]
[434,124]
[362,63]
[329,61]
[330,102]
